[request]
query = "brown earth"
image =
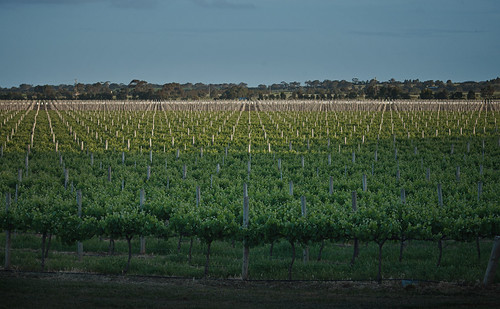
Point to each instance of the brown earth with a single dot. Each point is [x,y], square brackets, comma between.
[69,290]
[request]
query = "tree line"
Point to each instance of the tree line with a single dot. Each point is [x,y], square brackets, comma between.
[313,90]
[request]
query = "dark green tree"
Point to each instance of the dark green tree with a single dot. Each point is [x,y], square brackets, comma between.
[371,92]
[487,92]
[441,95]
[352,95]
[458,95]
[426,94]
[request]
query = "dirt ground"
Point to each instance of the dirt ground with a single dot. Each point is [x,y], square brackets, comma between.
[71,290]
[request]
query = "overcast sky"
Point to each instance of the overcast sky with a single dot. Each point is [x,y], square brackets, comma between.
[259,41]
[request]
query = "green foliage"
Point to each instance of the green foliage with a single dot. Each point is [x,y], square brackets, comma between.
[129,223]
[214,223]
[302,141]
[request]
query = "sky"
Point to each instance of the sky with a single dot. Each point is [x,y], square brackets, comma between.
[255,42]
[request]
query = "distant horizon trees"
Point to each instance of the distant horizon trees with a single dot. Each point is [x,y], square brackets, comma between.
[310,90]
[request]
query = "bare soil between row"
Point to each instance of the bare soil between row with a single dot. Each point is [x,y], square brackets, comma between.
[77,290]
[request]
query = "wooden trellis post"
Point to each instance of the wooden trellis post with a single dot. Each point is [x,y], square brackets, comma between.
[198,196]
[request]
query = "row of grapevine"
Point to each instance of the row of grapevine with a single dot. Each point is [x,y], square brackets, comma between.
[160,169]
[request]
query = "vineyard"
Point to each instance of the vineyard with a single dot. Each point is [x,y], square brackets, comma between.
[289,176]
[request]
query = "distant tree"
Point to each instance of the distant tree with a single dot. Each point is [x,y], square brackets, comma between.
[383,93]
[66,94]
[282,95]
[371,92]
[78,90]
[471,95]
[439,84]
[441,95]
[458,95]
[392,92]
[275,87]
[133,83]
[327,89]
[214,93]
[405,96]
[426,94]
[12,95]
[196,93]
[114,86]
[395,93]
[171,91]
[352,95]
[235,92]
[140,89]
[25,87]
[45,92]
[294,85]
[122,94]
[450,86]
[428,83]
[487,92]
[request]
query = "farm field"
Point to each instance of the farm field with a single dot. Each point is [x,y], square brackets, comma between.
[61,290]
[289,190]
